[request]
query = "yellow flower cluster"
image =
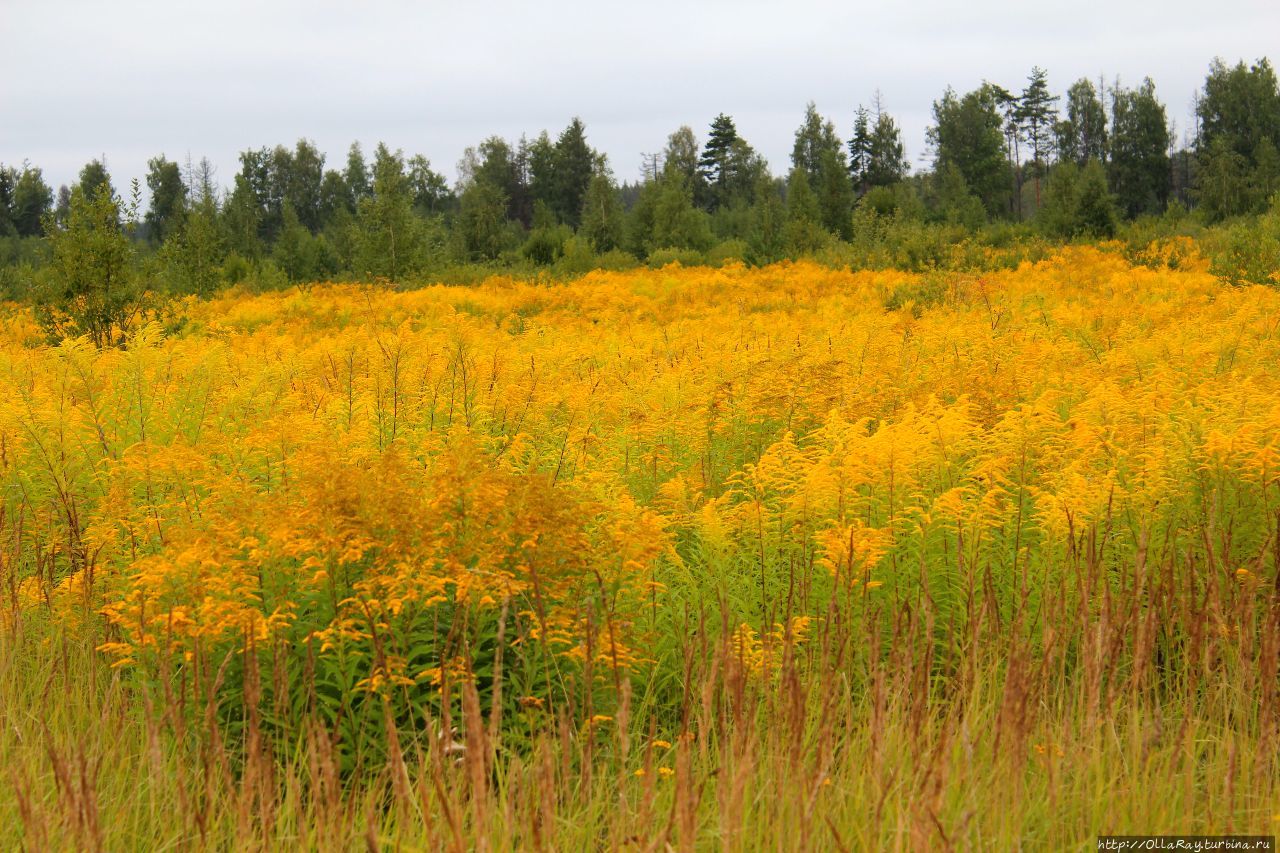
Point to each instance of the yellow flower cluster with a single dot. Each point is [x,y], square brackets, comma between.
[567,451]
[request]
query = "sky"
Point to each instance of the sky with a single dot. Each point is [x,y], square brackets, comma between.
[131,79]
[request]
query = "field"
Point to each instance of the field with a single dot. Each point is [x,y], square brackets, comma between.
[688,558]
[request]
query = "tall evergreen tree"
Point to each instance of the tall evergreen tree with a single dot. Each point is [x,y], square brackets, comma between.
[860,150]
[886,153]
[819,153]
[1036,115]
[540,164]
[716,165]
[574,165]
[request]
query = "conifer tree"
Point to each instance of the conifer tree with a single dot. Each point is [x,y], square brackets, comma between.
[1036,115]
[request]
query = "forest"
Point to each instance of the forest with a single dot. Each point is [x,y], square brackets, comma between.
[1008,166]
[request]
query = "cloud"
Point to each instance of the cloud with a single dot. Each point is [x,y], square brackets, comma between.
[136,78]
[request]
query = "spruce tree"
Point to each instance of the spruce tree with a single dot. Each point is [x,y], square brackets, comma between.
[860,151]
[715,166]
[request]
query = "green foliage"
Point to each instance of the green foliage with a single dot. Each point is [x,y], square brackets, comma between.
[388,241]
[168,199]
[32,202]
[574,163]
[767,235]
[1082,133]
[1077,203]
[728,167]
[603,219]
[1249,251]
[820,156]
[1138,167]
[727,252]
[803,233]
[90,287]
[968,140]
[675,255]
[299,254]
[952,201]
[1240,109]
[356,176]
[192,256]
[546,242]
[93,176]
[480,226]
[1037,116]
[578,258]
[676,222]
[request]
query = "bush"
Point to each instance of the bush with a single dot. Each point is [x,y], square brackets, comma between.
[727,251]
[576,257]
[685,257]
[1249,251]
[91,286]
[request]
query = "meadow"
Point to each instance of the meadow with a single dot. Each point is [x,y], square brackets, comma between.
[788,558]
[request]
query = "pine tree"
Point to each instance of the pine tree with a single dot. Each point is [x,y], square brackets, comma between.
[1036,115]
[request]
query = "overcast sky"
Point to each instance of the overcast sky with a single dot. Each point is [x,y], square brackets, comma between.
[130,79]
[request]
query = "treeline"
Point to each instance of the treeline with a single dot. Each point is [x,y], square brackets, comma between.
[1007,164]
